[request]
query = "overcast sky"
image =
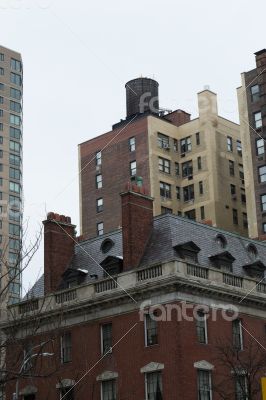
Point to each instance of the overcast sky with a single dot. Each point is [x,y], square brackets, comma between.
[79,54]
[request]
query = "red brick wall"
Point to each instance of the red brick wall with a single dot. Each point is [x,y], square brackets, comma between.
[177,349]
[115,170]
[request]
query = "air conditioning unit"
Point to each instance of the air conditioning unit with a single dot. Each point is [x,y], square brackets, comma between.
[190,177]
[166,146]
[234,196]
[183,155]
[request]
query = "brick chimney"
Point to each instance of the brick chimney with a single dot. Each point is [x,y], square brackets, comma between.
[58,249]
[137,223]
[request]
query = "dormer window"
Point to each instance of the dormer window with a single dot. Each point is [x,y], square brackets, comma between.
[252,251]
[106,245]
[223,261]
[255,269]
[112,265]
[221,241]
[188,251]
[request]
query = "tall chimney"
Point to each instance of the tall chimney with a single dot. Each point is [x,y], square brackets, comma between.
[137,224]
[58,249]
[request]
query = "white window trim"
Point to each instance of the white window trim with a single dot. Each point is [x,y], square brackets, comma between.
[104,380]
[210,378]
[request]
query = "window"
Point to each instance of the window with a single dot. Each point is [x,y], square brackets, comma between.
[200,187]
[241,172]
[204,385]
[14,159]
[165,190]
[243,196]
[231,168]
[186,144]
[187,169]
[198,138]
[177,170]
[15,93]
[262,174]
[15,78]
[191,214]
[108,390]
[255,93]
[98,158]
[1,126]
[133,168]
[164,165]
[99,205]
[245,220]
[66,347]
[235,216]
[257,119]
[154,388]
[151,330]
[14,187]
[199,163]
[14,173]
[188,192]
[15,65]
[14,146]
[15,120]
[2,57]
[1,113]
[67,393]
[1,100]
[2,71]
[263,202]
[229,143]
[259,147]
[2,86]
[239,147]
[175,145]
[166,210]
[100,228]
[241,387]
[99,181]
[106,336]
[14,230]
[202,212]
[237,334]
[14,106]
[201,327]
[233,190]
[1,153]
[178,192]
[264,227]
[163,141]
[132,144]
[14,244]
[14,132]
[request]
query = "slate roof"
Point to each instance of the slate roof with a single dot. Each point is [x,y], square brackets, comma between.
[169,231]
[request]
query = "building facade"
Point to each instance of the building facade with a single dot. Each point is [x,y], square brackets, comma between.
[191,168]
[11,92]
[252,112]
[141,313]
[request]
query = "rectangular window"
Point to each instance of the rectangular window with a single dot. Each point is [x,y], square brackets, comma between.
[2,86]
[199,163]
[262,174]
[14,146]
[239,147]
[165,190]
[235,216]
[260,147]
[175,145]
[154,387]
[177,170]
[14,173]
[231,168]
[191,214]
[151,330]
[264,227]
[99,181]
[15,93]
[200,187]
[132,144]
[241,172]
[66,347]
[66,393]
[106,337]
[233,190]
[1,113]
[14,132]
[14,244]
[204,385]
[257,120]
[14,187]
[98,158]
[1,100]
[14,159]
[187,169]
[202,212]
[14,106]
[2,71]
[263,202]
[108,389]
[237,334]
[245,220]
[15,65]
[229,143]
[100,228]
[166,210]
[243,196]
[188,192]
[178,192]
[14,120]
[99,205]
[163,141]
[2,57]
[198,138]
[255,93]
[241,387]
[164,165]
[201,327]
[186,145]
[133,168]
[1,126]
[15,79]
[14,230]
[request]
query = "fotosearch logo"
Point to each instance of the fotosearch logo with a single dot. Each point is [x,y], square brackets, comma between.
[146,102]
[187,312]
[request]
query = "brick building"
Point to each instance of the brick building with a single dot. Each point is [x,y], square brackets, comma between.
[191,168]
[93,313]
[252,112]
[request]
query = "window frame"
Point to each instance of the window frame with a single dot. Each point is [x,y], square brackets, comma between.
[108,339]
[150,325]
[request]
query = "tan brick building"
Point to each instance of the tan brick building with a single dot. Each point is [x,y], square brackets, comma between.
[192,168]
